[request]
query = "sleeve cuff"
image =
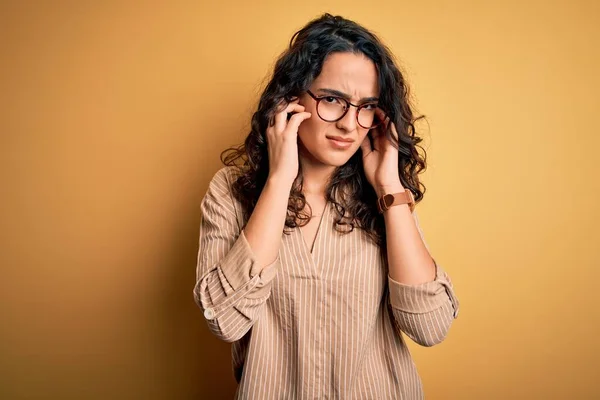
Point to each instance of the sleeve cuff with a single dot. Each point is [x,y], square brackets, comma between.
[239,265]
[424,297]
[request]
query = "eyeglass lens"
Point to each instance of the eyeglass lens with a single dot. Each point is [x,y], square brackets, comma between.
[333,108]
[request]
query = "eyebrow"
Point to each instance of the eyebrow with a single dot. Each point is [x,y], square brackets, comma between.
[346,96]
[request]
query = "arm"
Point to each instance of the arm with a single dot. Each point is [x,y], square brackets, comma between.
[235,268]
[422,297]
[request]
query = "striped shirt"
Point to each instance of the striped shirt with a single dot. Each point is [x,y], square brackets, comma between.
[325,324]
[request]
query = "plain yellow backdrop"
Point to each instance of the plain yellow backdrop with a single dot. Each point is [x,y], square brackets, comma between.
[113,115]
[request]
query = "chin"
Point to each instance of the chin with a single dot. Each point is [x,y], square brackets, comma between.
[334,158]
[323,154]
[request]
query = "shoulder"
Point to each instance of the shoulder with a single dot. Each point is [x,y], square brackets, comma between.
[219,199]
[220,189]
[224,178]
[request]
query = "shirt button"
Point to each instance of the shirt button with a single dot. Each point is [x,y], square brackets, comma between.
[209,313]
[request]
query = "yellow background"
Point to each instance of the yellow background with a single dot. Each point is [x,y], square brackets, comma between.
[113,115]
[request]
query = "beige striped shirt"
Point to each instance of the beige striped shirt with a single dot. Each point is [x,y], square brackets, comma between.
[325,324]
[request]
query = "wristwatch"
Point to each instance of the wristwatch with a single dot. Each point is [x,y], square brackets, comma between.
[390,200]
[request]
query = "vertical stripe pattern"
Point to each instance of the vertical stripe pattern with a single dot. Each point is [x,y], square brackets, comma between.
[326,324]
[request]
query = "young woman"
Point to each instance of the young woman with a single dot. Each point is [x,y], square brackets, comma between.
[311,260]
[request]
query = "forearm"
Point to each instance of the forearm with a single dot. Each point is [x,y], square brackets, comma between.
[409,260]
[265,226]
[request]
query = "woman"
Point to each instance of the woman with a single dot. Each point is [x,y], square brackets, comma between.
[311,260]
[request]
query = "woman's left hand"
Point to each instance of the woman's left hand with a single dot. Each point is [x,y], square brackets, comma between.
[380,160]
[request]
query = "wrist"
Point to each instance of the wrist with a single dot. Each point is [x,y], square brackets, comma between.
[388,189]
[279,181]
[278,188]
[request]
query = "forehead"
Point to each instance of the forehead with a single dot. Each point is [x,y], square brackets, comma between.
[353,74]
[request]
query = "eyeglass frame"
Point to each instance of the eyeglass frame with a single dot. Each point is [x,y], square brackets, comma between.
[358,106]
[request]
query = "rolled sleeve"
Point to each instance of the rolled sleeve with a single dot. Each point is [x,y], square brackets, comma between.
[425,297]
[231,287]
[239,265]
[425,311]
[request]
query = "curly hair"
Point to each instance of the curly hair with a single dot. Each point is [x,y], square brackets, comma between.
[354,199]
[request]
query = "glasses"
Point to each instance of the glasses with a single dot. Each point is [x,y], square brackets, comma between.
[333,108]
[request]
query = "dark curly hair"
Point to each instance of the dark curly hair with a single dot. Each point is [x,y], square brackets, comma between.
[295,70]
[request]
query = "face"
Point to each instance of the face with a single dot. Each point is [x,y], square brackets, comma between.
[354,76]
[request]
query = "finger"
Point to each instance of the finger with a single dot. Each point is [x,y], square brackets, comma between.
[283,104]
[279,108]
[281,117]
[387,122]
[377,138]
[380,114]
[384,118]
[381,138]
[296,120]
[375,134]
[394,131]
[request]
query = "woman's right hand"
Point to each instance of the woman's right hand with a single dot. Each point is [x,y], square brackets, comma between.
[282,142]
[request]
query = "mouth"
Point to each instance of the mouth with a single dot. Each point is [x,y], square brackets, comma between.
[340,143]
[340,139]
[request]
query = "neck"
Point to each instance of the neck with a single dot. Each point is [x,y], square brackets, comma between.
[315,176]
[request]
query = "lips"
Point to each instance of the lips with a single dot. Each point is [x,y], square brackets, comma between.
[340,139]
[343,144]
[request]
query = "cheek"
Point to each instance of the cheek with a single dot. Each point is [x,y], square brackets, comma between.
[309,129]
[312,130]
[362,135]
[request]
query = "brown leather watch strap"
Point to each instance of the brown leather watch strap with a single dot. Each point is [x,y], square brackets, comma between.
[390,200]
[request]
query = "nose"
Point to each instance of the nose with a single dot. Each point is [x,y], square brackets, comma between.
[348,122]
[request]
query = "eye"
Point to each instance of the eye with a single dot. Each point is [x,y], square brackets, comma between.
[331,100]
[370,107]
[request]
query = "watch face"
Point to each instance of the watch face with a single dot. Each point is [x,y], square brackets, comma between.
[388,199]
